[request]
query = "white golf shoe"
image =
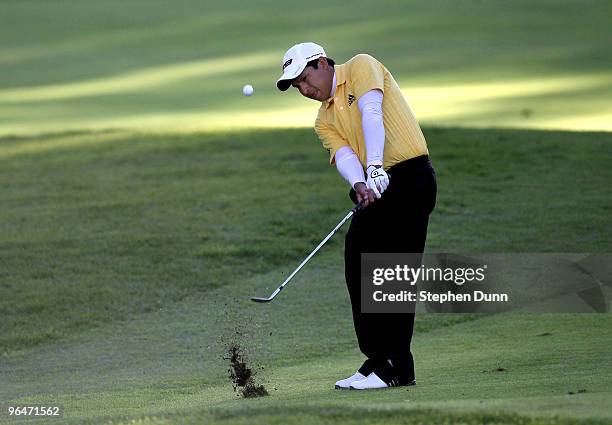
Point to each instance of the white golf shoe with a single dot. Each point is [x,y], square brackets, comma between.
[369,383]
[345,383]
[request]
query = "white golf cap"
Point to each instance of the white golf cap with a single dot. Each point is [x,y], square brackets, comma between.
[295,61]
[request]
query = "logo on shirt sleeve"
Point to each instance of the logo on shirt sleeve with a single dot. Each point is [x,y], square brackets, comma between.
[351,99]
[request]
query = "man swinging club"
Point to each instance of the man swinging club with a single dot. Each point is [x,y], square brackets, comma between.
[366,125]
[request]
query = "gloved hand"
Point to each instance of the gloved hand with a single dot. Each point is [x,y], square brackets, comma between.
[376,179]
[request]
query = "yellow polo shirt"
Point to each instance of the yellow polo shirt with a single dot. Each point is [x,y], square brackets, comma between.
[339,119]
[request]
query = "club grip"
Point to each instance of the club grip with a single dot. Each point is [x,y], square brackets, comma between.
[357,208]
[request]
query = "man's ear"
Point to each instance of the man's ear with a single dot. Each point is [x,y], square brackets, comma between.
[323,62]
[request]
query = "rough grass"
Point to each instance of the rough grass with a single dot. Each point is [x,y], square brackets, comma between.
[105,229]
[94,65]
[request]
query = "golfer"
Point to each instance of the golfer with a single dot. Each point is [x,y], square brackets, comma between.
[376,144]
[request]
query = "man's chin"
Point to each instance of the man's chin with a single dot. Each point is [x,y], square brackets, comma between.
[316,96]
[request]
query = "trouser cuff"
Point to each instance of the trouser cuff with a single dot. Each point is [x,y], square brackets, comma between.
[367,367]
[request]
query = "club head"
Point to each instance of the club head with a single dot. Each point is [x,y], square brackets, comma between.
[261,300]
[270,298]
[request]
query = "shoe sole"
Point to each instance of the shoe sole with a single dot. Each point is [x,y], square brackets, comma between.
[409,384]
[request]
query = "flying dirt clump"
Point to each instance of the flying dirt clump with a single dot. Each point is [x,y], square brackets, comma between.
[241,375]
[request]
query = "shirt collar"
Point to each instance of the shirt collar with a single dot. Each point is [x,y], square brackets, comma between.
[339,79]
[333,90]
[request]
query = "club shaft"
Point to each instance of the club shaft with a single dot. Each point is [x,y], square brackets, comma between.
[335,229]
[314,251]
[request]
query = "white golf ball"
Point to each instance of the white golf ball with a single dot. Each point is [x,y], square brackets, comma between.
[247,90]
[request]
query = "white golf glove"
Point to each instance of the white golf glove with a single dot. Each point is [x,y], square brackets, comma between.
[377,179]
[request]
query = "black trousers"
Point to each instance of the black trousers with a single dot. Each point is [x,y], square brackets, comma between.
[395,223]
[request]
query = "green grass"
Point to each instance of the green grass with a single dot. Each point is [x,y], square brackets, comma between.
[127,260]
[96,65]
[130,242]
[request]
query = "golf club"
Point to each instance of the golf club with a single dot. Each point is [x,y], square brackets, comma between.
[339,225]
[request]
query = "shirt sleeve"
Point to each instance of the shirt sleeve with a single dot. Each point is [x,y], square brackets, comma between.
[348,166]
[370,105]
[330,138]
[367,74]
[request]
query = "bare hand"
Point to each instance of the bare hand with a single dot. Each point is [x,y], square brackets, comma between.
[365,196]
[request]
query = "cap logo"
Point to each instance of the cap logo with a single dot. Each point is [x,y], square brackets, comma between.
[286,64]
[314,56]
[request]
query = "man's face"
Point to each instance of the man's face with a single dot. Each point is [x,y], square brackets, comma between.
[315,83]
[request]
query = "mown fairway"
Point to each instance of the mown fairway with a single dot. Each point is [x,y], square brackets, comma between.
[128,259]
[139,209]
